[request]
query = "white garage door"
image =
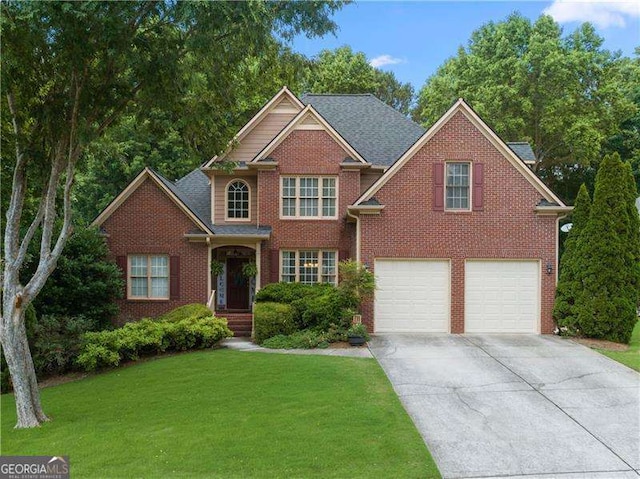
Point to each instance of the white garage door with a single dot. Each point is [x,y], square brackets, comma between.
[411,296]
[502,296]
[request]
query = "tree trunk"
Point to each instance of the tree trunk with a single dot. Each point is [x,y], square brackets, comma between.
[13,335]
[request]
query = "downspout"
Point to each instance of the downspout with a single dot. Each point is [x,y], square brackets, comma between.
[357,218]
[560,217]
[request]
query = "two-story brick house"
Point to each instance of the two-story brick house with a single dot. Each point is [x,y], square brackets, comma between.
[460,233]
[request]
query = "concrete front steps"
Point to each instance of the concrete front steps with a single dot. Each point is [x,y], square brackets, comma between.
[239,323]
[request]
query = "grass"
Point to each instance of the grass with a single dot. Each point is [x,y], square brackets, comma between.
[228,414]
[630,357]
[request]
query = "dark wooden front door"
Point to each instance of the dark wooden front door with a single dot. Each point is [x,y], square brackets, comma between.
[237,284]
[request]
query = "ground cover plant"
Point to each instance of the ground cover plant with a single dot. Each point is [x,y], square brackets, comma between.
[228,414]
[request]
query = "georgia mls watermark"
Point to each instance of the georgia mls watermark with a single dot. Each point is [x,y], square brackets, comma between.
[34,467]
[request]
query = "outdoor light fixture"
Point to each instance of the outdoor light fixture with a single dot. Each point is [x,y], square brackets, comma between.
[549,267]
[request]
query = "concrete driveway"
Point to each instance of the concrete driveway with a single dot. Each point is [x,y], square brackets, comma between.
[505,406]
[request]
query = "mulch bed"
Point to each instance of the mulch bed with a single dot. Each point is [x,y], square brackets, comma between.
[601,344]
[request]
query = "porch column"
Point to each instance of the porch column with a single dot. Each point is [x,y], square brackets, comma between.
[258,248]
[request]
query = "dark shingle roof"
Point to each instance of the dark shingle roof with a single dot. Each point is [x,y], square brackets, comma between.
[193,190]
[378,132]
[193,198]
[522,149]
[241,230]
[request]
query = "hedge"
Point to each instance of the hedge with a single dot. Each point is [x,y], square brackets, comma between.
[146,337]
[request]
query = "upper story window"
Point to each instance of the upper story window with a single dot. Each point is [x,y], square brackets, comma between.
[458,179]
[309,197]
[148,277]
[237,200]
[309,267]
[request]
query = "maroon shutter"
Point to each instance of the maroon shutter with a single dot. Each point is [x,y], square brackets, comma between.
[343,255]
[438,186]
[121,261]
[274,266]
[478,186]
[174,277]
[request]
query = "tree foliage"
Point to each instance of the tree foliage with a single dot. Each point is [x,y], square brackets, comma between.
[569,283]
[608,265]
[561,93]
[70,72]
[345,71]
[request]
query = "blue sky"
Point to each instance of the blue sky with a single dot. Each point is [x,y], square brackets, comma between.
[417,37]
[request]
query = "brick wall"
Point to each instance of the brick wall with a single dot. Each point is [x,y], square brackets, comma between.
[148,222]
[507,228]
[306,152]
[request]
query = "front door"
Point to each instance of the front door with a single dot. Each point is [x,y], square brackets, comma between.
[237,284]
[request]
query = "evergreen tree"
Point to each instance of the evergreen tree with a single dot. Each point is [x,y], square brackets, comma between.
[607,260]
[634,231]
[569,285]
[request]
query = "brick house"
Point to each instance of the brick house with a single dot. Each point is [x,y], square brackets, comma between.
[461,234]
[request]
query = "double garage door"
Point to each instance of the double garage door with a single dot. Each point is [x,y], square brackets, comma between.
[415,296]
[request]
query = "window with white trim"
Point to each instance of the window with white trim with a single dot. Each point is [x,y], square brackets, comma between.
[309,266]
[308,197]
[457,190]
[148,277]
[237,200]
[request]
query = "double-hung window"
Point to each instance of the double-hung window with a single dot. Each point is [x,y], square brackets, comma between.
[458,175]
[308,197]
[309,266]
[148,277]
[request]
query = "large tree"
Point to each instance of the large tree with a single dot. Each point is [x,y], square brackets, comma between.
[69,72]
[345,71]
[561,93]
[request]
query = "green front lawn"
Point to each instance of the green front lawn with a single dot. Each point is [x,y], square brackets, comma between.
[228,414]
[630,357]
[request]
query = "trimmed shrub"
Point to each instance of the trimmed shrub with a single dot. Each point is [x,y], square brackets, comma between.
[56,341]
[289,292]
[194,310]
[145,337]
[320,312]
[272,319]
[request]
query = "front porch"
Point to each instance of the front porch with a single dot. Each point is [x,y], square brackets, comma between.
[234,281]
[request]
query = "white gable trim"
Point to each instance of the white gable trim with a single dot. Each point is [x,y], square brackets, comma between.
[133,186]
[298,124]
[257,118]
[501,146]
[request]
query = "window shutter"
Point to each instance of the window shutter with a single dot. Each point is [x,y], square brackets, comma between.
[121,261]
[174,277]
[478,186]
[438,186]
[343,255]
[274,267]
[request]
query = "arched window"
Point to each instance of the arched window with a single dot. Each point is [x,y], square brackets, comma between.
[237,200]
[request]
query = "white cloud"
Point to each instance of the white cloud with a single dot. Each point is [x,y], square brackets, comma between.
[383,60]
[601,13]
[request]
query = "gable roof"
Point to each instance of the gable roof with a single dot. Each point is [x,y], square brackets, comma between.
[308,115]
[166,186]
[255,120]
[462,107]
[377,131]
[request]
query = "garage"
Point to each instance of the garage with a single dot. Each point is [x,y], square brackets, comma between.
[502,296]
[412,296]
